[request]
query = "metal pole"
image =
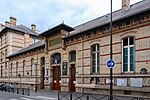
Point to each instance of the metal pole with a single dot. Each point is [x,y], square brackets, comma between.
[111,71]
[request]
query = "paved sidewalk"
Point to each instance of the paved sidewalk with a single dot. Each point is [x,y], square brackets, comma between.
[46,93]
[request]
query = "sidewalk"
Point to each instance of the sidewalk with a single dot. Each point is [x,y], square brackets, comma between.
[45,93]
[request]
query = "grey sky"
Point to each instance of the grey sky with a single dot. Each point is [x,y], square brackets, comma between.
[48,13]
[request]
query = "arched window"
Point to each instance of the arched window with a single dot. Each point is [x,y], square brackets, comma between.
[1,71]
[42,61]
[72,56]
[95,58]
[56,58]
[11,69]
[17,69]
[32,66]
[128,54]
[24,64]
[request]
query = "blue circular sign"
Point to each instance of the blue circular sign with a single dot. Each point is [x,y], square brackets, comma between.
[110,63]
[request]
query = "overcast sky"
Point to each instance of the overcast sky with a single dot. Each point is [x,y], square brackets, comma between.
[48,13]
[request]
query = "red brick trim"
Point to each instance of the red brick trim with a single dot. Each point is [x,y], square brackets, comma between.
[142,38]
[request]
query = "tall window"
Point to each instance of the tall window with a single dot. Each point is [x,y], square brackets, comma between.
[128,54]
[1,71]
[0,41]
[32,66]
[72,56]
[11,67]
[5,52]
[95,59]
[24,64]
[16,69]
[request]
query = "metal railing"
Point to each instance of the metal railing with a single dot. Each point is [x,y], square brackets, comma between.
[22,91]
[62,95]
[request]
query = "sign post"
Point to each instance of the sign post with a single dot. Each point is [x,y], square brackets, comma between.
[111,71]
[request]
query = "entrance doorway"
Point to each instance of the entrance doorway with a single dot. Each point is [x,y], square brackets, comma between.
[42,77]
[72,78]
[42,72]
[56,77]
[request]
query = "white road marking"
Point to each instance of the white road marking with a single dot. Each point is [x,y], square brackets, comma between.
[26,99]
[13,99]
[46,98]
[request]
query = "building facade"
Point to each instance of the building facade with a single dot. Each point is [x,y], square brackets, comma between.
[74,58]
[12,39]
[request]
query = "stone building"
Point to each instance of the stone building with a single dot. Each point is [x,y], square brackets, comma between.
[74,58]
[12,39]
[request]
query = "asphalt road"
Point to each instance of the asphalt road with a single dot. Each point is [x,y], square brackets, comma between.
[52,95]
[11,96]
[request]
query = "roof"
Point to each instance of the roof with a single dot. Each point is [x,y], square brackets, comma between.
[56,29]
[30,47]
[117,15]
[21,28]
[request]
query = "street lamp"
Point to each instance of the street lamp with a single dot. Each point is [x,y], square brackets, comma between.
[111,71]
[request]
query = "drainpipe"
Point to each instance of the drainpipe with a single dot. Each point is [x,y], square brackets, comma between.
[82,65]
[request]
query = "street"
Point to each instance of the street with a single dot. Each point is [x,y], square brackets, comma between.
[11,96]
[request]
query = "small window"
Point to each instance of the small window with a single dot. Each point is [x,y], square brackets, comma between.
[33,40]
[56,58]
[72,56]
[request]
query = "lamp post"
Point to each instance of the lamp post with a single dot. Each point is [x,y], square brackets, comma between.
[111,71]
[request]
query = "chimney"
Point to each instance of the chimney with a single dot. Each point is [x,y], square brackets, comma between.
[125,4]
[12,21]
[7,23]
[33,27]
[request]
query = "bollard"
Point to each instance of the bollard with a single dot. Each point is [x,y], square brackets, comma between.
[17,90]
[58,95]
[23,91]
[28,91]
[70,96]
[87,97]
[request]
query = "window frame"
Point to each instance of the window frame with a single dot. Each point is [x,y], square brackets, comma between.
[129,49]
[97,53]
[11,69]
[32,66]
[17,65]
[24,64]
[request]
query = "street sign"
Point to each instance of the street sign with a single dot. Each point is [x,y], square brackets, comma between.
[110,63]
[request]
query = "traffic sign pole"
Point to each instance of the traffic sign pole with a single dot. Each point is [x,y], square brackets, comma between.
[111,71]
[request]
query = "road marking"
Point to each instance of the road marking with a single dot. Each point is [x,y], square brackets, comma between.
[26,99]
[13,99]
[46,98]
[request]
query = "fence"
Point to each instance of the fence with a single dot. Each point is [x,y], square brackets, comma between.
[87,96]
[22,91]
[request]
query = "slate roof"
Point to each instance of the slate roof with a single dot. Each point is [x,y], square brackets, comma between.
[21,28]
[29,48]
[56,29]
[117,15]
